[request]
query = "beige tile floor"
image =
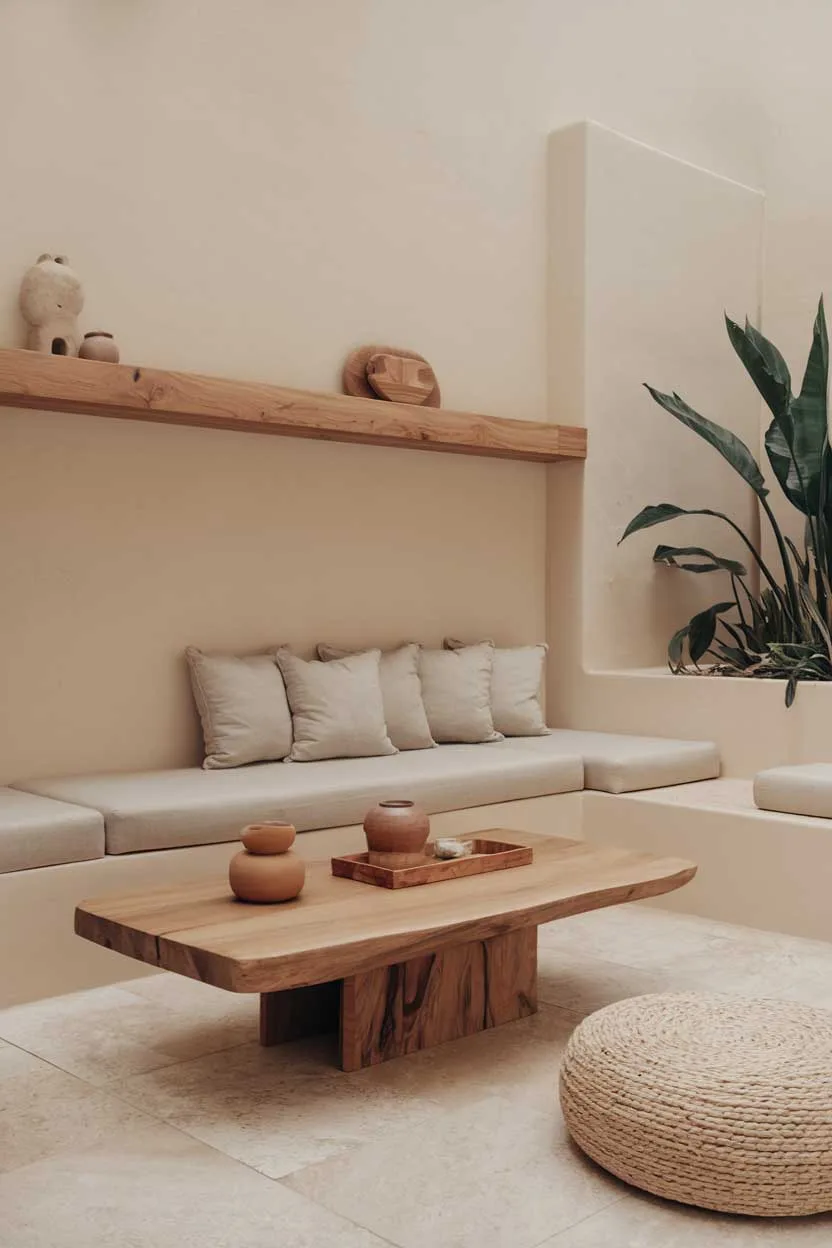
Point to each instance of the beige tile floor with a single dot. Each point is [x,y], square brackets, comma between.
[145,1115]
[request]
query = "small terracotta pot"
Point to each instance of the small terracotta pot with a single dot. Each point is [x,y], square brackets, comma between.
[272,836]
[99,345]
[396,832]
[266,877]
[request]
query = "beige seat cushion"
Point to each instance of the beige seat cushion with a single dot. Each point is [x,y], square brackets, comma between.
[401,692]
[516,688]
[615,763]
[456,690]
[337,707]
[804,789]
[163,809]
[40,832]
[242,704]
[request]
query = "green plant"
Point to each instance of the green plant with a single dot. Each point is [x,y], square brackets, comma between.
[784,629]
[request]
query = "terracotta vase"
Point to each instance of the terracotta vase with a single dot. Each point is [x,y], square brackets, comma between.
[396,833]
[270,837]
[266,870]
[98,344]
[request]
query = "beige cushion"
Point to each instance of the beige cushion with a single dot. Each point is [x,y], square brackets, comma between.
[516,686]
[456,690]
[164,809]
[615,763]
[40,832]
[401,692]
[337,707]
[805,789]
[242,704]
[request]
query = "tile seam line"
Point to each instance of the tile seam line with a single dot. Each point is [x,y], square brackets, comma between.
[564,1229]
[247,1165]
[281,1182]
[110,1085]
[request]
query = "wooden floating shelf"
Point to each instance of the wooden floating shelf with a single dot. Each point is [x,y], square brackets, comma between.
[54,383]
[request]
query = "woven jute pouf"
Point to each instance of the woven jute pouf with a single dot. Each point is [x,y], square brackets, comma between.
[714,1101]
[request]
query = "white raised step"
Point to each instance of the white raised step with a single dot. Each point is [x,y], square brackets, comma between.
[756,867]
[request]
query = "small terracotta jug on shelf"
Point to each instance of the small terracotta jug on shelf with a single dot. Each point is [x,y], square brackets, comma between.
[266,870]
[396,831]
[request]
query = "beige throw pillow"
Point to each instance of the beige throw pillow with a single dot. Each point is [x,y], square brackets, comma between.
[516,683]
[456,689]
[242,704]
[337,708]
[401,691]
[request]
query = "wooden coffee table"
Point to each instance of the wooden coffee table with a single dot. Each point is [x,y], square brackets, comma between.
[392,971]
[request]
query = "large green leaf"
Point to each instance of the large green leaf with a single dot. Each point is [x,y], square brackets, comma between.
[658,513]
[675,647]
[702,627]
[713,563]
[796,440]
[698,633]
[730,447]
[763,363]
[732,656]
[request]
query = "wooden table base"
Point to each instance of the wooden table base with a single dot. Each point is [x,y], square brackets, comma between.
[412,1005]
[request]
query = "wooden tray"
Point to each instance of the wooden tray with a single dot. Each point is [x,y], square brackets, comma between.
[488,855]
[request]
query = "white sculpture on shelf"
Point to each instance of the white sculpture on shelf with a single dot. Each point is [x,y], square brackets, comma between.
[51,299]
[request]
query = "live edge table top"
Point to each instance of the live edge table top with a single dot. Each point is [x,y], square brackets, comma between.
[339,927]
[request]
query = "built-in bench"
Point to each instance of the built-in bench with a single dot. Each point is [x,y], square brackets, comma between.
[763,868]
[69,819]
[172,809]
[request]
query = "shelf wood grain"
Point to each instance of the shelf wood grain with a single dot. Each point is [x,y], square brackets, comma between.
[57,384]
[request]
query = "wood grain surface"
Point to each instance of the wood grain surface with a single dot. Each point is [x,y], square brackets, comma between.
[356,379]
[299,1012]
[338,928]
[440,996]
[401,380]
[54,383]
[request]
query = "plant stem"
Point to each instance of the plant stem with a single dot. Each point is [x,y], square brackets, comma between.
[791,587]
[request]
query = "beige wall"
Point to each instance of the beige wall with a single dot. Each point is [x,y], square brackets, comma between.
[128,541]
[252,191]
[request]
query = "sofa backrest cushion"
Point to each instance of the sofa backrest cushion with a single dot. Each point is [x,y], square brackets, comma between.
[242,704]
[456,689]
[401,691]
[337,707]
[516,688]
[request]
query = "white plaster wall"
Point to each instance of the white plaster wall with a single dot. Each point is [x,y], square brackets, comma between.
[665,248]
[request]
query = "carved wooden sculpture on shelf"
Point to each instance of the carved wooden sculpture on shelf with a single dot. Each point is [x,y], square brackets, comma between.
[391,373]
[51,299]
